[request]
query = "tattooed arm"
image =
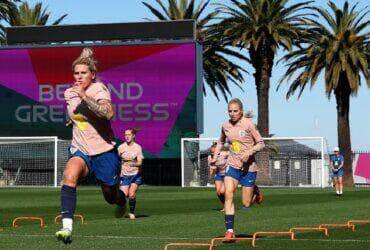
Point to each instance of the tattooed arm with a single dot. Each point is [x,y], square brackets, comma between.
[102,108]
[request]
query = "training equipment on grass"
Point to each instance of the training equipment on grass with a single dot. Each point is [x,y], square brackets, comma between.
[58,218]
[285,162]
[214,240]
[350,226]
[322,229]
[42,222]
[354,222]
[291,235]
[186,244]
[32,161]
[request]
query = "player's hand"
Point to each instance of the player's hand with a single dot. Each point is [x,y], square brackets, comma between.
[78,90]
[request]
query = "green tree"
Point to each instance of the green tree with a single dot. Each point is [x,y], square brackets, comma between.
[262,27]
[337,44]
[6,7]
[218,69]
[24,15]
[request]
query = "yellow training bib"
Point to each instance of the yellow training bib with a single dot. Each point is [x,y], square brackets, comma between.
[236,146]
[80,121]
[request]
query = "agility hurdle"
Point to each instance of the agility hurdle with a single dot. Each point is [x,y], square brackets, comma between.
[353,222]
[323,229]
[42,222]
[338,225]
[291,235]
[212,245]
[58,218]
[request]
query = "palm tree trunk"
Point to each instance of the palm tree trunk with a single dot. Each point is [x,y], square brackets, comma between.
[342,96]
[262,61]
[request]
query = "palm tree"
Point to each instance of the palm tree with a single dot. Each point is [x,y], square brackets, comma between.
[24,15]
[340,48]
[262,27]
[6,6]
[218,69]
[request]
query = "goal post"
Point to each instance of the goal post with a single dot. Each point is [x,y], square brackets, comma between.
[29,161]
[284,162]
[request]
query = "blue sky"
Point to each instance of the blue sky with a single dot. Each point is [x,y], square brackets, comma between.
[312,115]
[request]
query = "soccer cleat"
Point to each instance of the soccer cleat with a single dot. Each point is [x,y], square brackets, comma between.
[229,237]
[120,211]
[64,235]
[222,210]
[131,216]
[259,196]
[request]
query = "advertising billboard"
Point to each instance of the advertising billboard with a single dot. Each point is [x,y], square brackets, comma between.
[154,87]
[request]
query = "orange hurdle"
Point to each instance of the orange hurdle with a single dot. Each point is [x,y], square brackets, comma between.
[338,225]
[352,222]
[211,247]
[42,222]
[322,229]
[58,218]
[291,234]
[187,244]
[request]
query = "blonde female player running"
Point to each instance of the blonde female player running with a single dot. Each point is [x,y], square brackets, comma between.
[131,177]
[245,142]
[92,149]
[218,170]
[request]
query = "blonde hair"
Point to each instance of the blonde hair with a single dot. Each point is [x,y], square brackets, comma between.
[237,102]
[86,58]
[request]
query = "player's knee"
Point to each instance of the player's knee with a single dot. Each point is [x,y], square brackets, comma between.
[220,192]
[70,178]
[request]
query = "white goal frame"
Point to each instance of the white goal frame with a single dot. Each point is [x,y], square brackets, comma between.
[51,138]
[320,138]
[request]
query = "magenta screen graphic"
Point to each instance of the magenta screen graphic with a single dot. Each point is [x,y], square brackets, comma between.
[149,85]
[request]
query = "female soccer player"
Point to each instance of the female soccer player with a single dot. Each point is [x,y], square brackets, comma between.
[336,164]
[92,149]
[131,177]
[245,142]
[218,170]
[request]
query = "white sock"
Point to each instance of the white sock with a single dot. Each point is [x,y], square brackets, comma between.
[230,230]
[338,192]
[67,223]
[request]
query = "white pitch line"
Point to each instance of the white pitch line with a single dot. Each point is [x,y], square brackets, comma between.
[173,238]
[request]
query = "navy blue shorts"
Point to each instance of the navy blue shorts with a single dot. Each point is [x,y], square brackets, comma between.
[245,178]
[338,173]
[105,166]
[219,177]
[127,180]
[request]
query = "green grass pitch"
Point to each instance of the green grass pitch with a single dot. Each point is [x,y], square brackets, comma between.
[173,214]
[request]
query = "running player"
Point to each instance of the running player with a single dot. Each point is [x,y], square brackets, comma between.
[131,175]
[92,149]
[336,164]
[217,169]
[245,142]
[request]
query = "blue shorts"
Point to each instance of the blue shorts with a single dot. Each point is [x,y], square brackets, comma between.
[105,166]
[245,178]
[339,173]
[127,180]
[219,177]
